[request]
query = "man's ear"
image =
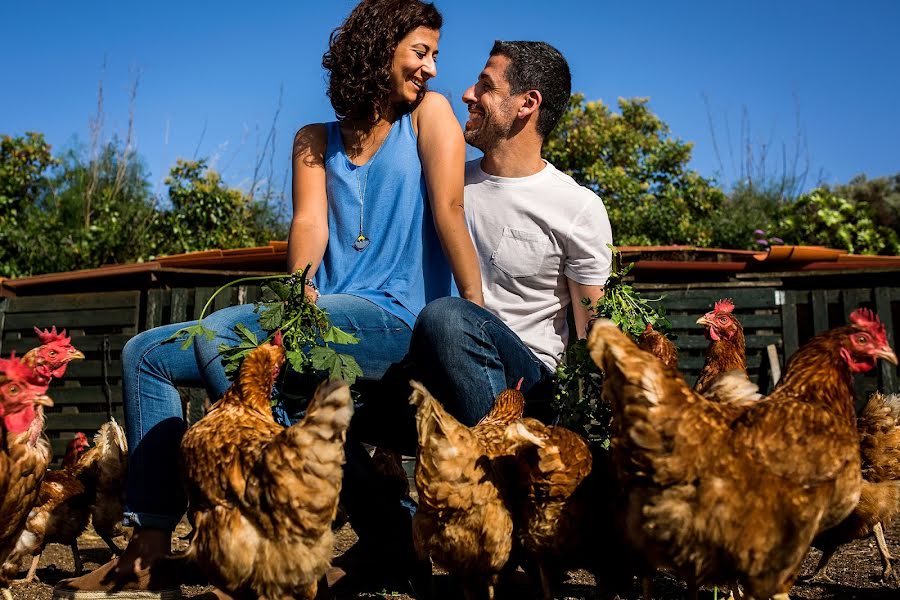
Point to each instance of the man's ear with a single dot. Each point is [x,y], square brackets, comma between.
[531,102]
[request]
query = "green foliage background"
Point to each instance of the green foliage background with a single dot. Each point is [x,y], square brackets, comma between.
[80,209]
[77,211]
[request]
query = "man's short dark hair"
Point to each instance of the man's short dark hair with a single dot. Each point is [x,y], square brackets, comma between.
[538,66]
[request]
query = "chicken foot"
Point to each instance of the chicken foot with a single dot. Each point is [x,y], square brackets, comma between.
[32,572]
[114,547]
[821,575]
[886,557]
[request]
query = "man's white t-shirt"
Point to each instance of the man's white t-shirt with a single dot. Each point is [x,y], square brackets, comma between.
[530,234]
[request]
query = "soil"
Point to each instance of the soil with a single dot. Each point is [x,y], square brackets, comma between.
[855,570]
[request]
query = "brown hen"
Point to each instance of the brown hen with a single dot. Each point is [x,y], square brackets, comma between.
[726,351]
[709,491]
[879,501]
[59,515]
[462,522]
[555,510]
[24,455]
[658,345]
[264,496]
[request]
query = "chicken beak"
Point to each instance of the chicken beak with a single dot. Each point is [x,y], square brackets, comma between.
[43,400]
[887,354]
[76,355]
[704,321]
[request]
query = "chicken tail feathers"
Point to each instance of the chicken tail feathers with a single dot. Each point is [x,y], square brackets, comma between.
[330,408]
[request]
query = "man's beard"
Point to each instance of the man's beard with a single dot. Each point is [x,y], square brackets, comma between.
[491,132]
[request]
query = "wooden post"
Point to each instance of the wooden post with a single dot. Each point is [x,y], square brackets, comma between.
[887,371]
[774,364]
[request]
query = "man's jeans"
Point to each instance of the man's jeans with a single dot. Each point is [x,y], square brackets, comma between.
[465,356]
[153,367]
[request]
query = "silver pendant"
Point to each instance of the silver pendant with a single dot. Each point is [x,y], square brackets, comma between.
[361,243]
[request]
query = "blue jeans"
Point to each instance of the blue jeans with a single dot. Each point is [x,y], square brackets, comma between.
[152,368]
[465,356]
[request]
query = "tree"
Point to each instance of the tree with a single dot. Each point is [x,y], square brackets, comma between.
[824,217]
[207,214]
[641,173]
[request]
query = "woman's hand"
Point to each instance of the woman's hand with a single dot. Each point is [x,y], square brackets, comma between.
[442,151]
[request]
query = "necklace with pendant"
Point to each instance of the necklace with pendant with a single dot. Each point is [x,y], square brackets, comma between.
[362,241]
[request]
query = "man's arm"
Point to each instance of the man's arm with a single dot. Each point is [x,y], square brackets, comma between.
[583,314]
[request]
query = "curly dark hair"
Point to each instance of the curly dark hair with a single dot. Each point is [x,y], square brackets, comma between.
[361,52]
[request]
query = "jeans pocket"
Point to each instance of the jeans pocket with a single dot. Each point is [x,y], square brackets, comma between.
[520,253]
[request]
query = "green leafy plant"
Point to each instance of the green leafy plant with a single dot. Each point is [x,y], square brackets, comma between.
[306,330]
[579,382]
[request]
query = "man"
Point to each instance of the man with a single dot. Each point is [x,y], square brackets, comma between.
[540,237]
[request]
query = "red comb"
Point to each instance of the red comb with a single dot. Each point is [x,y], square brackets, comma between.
[14,368]
[865,318]
[47,336]
[277,340]
[519,385]
[724,305]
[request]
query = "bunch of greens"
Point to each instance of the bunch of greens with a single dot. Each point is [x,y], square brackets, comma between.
[579,381]
[305,328]
[624,306]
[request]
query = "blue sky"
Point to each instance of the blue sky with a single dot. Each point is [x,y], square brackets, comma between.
[210,73]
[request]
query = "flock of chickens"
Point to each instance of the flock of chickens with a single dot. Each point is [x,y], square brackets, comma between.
[39,506]
[714,484]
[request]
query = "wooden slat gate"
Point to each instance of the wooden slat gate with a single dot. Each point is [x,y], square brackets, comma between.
[770,315]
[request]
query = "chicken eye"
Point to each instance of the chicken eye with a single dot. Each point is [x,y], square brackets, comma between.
[52,353]
[862,339]
[13,389]
[723,319]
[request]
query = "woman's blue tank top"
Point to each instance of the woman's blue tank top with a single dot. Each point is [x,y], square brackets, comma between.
[403,267]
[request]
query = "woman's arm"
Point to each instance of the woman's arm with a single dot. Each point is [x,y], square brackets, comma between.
[308,235]
[442,151]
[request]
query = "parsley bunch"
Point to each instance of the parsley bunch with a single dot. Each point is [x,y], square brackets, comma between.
[306,330]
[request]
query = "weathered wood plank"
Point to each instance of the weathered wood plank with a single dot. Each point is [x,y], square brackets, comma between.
[748,321]
[201,296]
[72,319]
[886,371]
[819,311]
[86,422]
[70,396]
[695,363]
[74,302]
[154,309]
[702,300]
[89,369]
[789,332]
[179,305]
[752,342]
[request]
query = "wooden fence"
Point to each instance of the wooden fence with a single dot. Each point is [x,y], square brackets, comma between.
[91,389]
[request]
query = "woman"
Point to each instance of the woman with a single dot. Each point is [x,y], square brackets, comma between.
[378,213]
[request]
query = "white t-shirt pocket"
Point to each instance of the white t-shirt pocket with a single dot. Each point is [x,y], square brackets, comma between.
[520,253]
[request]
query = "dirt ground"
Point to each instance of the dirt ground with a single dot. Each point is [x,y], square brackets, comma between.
[855,569]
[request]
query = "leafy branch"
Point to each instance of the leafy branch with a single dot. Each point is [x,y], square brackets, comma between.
[307,332]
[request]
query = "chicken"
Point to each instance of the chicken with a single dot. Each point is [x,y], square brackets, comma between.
[25,454]
[659,346]
[52,357]
[552,516]
[462,522]
[264,496]
[709,492]
[509,406]
[59,515]
[879,501]
[103,469]
[726,351]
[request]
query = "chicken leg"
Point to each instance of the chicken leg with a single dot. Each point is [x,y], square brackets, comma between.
[821,575]
[32,572]
[886,557]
